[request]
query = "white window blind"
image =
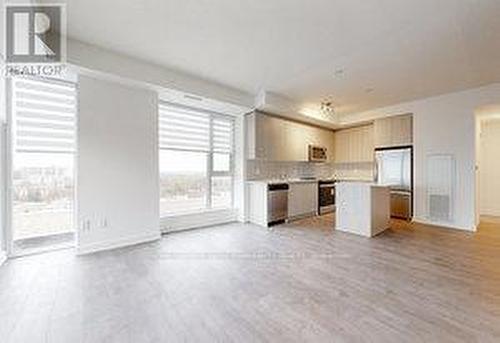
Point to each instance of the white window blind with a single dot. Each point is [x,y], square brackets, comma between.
[188,129]
[183,129]
[44,115]
[222,135]
[196,159]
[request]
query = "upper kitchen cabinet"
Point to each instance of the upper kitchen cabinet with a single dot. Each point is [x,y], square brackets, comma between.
[265,137]
[276,139]
[354,145]
[394,131]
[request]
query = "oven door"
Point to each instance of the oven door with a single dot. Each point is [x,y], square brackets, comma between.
[326,198]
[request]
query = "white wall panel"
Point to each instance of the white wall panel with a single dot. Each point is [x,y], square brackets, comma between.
[117,187]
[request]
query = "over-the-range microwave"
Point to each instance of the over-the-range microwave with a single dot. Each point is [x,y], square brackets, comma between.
[317,153]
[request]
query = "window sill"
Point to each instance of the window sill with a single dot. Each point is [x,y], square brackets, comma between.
[200,219]
[195,213]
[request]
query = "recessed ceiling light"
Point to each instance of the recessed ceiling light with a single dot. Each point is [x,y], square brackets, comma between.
[339,72]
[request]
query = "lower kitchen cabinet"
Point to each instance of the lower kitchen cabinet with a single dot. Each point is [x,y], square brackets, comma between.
[302,199]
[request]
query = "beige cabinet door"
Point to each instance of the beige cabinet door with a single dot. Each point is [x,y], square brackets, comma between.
[354,145]
[277,139]
[296,145]
[250,148]
[340,146]
[302,199]
[327,141]
[402,130]
[367,147]
[394,131]
[383,132]
[270,138]
[262,135]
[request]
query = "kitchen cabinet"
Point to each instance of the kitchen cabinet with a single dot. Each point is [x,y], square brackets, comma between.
[273,138]
[362,208]
[394,131]
[297,149]
[354,145]
[302,199]
[256,203]
[265,137]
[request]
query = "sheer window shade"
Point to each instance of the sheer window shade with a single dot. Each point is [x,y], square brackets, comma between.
[184,129]
[222,135]
[188,129]
[45,115]
[188,136]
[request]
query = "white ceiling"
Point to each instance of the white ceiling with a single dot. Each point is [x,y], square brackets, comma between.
[402,49]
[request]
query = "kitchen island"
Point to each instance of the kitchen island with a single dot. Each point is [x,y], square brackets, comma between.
[363,208]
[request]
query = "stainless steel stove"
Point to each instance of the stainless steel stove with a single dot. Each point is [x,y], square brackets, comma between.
[326,196]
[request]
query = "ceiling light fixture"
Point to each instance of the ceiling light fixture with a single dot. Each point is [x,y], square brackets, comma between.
[327,109]
[338,72]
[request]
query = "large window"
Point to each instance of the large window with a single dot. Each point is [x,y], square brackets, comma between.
[196,160]
[43,129]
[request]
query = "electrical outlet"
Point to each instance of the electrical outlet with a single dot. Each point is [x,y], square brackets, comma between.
[85,225]
[103,223]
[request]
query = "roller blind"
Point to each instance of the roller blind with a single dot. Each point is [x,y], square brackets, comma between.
[190,129]
[183,129]
[44,115]
[222,135]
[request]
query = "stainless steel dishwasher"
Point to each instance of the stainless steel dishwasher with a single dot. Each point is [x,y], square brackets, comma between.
[277,203]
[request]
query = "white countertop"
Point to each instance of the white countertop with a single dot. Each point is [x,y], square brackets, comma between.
[362,182]
[274,181]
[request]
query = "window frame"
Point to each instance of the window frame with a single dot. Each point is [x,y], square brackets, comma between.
[210,173]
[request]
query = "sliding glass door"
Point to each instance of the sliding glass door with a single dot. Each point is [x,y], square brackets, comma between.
[43,136]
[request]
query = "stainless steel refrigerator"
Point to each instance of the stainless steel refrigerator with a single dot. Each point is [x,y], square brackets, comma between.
[394,169]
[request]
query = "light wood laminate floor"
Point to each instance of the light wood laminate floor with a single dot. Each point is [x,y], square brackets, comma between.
[240,283]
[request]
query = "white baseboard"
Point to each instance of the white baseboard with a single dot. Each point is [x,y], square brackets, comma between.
[443,225]
[490,213]
[119,243]
[3,257]
[198,220]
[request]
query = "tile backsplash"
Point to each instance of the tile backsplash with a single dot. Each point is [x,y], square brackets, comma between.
[258,169]
[357,171]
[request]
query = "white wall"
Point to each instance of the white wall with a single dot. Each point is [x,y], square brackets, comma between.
[489,171]
[3,110]
[444,124]
[117,187]
[95,59]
